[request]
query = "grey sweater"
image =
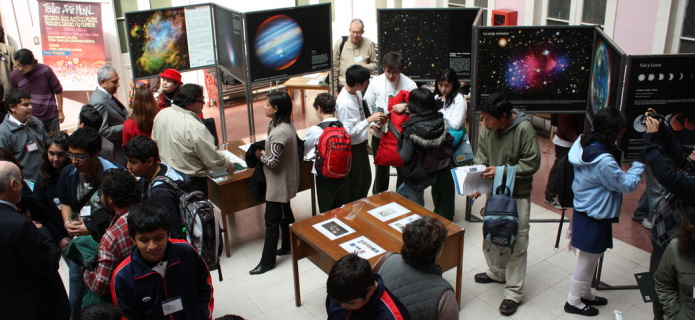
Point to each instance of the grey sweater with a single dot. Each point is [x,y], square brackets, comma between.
[283,180]
[16,139]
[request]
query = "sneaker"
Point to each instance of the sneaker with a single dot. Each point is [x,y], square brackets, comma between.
[647,224]
[553,202]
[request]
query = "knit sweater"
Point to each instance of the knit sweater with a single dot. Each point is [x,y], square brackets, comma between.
[283,180]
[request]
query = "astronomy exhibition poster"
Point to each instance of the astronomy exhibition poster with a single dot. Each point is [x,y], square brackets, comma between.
[177,38]
[230,41]
[72,42]
[539,69]
[430,40]
[607,65]
[664,83]
[287,42]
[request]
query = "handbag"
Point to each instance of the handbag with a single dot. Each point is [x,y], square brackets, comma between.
[463,153]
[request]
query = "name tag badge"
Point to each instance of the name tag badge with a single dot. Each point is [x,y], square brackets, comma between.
[171,306]
[358,59]
[31,147]
[86,211]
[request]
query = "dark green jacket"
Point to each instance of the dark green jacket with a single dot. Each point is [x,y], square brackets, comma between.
[675,283]
[83,250]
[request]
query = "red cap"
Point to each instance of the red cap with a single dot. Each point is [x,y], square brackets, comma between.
[172,75]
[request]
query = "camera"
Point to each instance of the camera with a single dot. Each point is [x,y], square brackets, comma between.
[659,117]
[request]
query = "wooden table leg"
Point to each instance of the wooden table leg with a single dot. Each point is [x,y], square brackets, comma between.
[313,196]
[294,245]
[226,235]
[459,272]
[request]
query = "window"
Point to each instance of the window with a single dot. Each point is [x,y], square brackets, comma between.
[559,12]
[580,12]
[687,38]
[485,4]
[121,7]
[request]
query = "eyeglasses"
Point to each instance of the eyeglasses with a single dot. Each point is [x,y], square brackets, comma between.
[78,157]
[201,101]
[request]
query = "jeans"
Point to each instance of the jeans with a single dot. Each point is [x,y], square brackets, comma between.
[51,125]
[648,202]
[76,291]
[415,191]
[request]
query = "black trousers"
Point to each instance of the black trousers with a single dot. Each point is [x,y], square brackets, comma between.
[360,175]
[199,184]
[332,192]
[551,187]
[278,217]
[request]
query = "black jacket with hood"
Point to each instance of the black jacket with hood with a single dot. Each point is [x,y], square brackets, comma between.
[420,132]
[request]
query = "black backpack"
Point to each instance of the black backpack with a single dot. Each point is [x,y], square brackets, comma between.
[501,217]
[563,183]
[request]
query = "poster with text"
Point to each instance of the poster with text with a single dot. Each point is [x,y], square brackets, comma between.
[606,74]
[425,51]
[664,83]
[288,42]
[230,41]
[177,38]
[539,69]
[72,42]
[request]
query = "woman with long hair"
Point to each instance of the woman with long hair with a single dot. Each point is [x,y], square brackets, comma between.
[598,184]
[144,110]
[281,168]
[46,188]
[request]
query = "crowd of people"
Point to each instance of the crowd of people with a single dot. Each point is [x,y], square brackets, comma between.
[94,197]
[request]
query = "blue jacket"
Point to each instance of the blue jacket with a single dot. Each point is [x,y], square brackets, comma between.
[139,291]
[599,181]
[166,196]
[382,305]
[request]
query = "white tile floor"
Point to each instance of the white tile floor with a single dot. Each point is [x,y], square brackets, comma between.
[271,295]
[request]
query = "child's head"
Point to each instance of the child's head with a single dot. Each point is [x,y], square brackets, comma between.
[351,282]
[356,75]
[421,101]
[148,226]
[447,84]
[18,102]
[142,155]
[324,103]
[90,117]
[100,311]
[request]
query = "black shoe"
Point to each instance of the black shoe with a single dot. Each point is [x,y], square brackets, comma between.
[598,301]
[586,311]
[260,269]
[508,307]
[283,252]
[484,278]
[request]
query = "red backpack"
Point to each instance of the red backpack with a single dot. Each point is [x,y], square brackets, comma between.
[333,151]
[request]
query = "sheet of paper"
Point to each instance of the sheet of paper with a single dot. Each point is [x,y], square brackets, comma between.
[245,147]
[400,224]
[314,82]
[333,228]
[312,76]
[389,211]
[468,179]
[201,47]
[364,247]
[234,158]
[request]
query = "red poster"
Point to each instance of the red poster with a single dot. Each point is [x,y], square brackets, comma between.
[72,42]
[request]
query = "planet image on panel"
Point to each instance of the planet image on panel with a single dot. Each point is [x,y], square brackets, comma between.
[503,42]
[637,124]
[600,79]
[678,122]
[641,77]
[669,117]
[681,78]
[651,77]
[670,76]
[690,122]
[279,41]
[661,76]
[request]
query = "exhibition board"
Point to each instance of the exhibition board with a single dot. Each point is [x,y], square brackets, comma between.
[430,39]
[607,68]
[229,36]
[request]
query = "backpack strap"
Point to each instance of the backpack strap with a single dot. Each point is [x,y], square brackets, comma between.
[377,265]
[342,44]
[394,130]
[505,177]
[166,180]
[324,125]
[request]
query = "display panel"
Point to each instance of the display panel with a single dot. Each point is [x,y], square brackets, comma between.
[230,41]
[178,38]
[288,42]
[606,74]
[425,51]
[664,83]
[539,69]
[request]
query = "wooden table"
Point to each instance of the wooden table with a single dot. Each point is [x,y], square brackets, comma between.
[307,242]
[232,193]
[301,84]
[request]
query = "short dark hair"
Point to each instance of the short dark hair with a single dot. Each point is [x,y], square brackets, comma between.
[496,105]
[188,93]
[86,139]
[392,60]
[141,148]
[122,187]
[91,117]
[283,102]
[100,311]
[148,216]
[422,240]
[349,279]
[24,57]
[421,101]
[230,317]
[326,102]
[15,96]
[356,74]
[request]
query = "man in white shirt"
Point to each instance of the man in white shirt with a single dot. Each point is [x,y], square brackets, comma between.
[383,87]
[349,111]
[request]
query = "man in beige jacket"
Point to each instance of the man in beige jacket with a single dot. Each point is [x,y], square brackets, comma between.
[184,142]
[356,49]
[6,61]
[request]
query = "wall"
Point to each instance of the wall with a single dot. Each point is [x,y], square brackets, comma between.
[635,24]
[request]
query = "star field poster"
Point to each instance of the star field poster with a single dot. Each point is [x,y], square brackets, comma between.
[665,83]
[606,74]
[539,69]
[430,40]
[288,42]
[230,41]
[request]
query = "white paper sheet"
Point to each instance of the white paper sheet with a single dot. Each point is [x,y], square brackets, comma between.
[201,47]
[314,82]
[400,224]
[388,212]
[469,179]
[364,247]
[312,76]
[333,228]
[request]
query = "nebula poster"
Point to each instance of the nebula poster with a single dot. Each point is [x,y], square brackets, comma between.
[72,42]
[288,42]
[606,74]
[539,69]
[665,83]
[425,51]
[230,41]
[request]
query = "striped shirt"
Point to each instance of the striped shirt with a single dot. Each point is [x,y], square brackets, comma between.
[43,85]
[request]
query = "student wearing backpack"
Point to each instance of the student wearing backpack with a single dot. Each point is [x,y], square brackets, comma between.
[425,130]
[332,192]
[508,138]
[598,187]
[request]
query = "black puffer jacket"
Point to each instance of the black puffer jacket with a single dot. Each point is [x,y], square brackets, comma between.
[420,132]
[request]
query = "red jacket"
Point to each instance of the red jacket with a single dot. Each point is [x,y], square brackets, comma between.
[131,130]
[387,154]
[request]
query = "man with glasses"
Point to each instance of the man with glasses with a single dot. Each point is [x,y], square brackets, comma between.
[81,208]
[358,50]
[23,134]
[184,142]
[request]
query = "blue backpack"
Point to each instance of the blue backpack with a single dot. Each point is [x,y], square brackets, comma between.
[501,218]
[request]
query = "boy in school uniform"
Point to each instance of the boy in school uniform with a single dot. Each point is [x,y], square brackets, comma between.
[158,265]
[22,133]
[350,112]
[331,192]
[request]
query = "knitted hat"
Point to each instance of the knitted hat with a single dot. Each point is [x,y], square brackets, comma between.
[172,75]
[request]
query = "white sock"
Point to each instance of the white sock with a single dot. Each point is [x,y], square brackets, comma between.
[574,297]
[586,289]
